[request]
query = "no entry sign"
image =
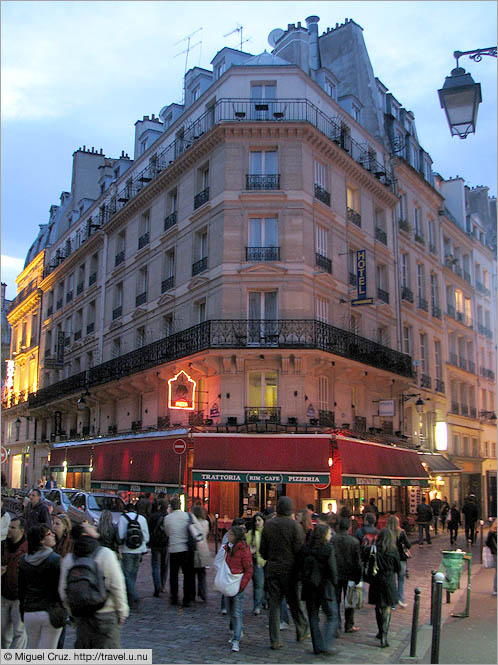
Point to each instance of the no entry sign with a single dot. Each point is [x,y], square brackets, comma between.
[179,446]
[5,454]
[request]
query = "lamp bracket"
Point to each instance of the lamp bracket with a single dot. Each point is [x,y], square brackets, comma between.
[476,54]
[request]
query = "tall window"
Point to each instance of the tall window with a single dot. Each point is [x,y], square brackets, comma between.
[459,301]
[262,96]
[201,311]
[320,175]
[322,241]
[323,393]
[262,314]
[220,69]
[263,232]
[263,162]
[468,312]
[417,218]
[140,337]
[407,340]
[434,291]
[144,229]
[263,389]
[352,198]
[322,309]
[330,88]
[141,290]
[116,347]
[402,207]
[167,325]
[172,202]
[424,361]
[421,281]
[431,226]
[405,270]
[382,281]
[438,359]
[203,244]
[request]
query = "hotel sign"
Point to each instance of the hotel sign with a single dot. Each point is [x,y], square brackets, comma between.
[361,274]
[257,477]
[181,392]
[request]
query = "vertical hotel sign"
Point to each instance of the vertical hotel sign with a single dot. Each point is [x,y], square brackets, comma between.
[181,392]
[361,280]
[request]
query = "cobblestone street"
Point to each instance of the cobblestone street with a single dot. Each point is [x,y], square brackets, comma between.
[200,634]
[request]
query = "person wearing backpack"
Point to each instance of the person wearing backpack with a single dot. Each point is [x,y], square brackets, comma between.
[92,587]
[133,534]
[368,528]
[347,554]
[158,544]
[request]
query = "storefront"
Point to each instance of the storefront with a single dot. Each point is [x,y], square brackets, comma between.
[444,476]
[245,473]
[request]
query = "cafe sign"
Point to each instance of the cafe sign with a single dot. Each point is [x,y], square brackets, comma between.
[257,477]
[399,482]
[181,392]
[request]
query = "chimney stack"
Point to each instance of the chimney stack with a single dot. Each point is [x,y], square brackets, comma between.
[314,57]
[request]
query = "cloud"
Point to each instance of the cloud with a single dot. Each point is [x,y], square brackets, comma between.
[11,267]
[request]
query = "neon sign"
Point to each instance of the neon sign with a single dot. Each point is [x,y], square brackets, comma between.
[181,392]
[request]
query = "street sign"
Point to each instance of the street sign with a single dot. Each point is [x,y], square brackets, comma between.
[179,446]
[5,454]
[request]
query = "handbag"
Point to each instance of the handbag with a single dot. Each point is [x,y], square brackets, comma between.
[354,596]
[226,581]
[488,560]
[58,615]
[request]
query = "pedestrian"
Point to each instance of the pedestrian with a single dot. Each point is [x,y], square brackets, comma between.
[39,571]
[51,482]
[403,546]
[253,539]
[453,523]
[281,542]
[62,530]
[13,631]
[424,519]
[36,510]
[237,521]
[470,513]
[239,560]
[304,519]
[199,569]
[491,543]
[176,528]
[107,530]
[347,555]
[318,571]
[5,522]
[98,629]
[372,508]
[158,544]
[436,505]
[313,513]
[445,509]
[133,534]
[382,591]
[368,526]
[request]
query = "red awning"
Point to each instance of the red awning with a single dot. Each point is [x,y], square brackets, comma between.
[57,456]
[278,453]
[356,459]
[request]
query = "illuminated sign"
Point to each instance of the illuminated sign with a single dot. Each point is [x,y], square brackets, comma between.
[181,392]
[441,435]
[361,274]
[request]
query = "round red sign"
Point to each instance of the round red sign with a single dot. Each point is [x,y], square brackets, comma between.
[5,454]
[321,487]
[179,446]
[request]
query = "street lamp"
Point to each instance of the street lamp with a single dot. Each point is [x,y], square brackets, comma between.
[419,404]
[460,96]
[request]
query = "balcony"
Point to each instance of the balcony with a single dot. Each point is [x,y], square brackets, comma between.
[472,366]
[420,239]
[462,363]
[439,387]
[90,328]
[482,289]
[167,283]
[322,195]
[406,294]
[199,266]
[466,276]
[143,240]
[49,311]
[453,359]
[170,220]
[79,288]
[262,414]
[354,217]
[425,381]
[380,235]
[262,254]
[436,312]
[77,335]
[451,311]
[92,279]
[423,304]
[487,373]
[256,182]
[59,304]
[404,226]
[201,198]
[352,279]
[433,249]
[383,295]
[464,409]
[326,418]
[117,312]
[472,412]
[484,330]
[141,299]
[454,408]
[119,258]
[69,296]
[323,262]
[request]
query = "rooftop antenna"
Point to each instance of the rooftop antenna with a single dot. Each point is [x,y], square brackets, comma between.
[187,51]
[239,29]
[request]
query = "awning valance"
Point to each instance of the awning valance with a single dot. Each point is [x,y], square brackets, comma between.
[365,463]
[437,463]
[261,459]
[78,458]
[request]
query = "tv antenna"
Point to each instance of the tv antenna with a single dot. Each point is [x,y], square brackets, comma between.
[239,29]
[189,46]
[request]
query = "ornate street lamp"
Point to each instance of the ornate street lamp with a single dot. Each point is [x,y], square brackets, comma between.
[460,96]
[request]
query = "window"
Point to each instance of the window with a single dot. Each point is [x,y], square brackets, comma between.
[263,389]
[168,271]
[201,311]
[172,202]
[322,241]
[263,162]
[330,89]
[167,325]
[356,113]
[382,279]
[421,281]
[261,94]
[402,207]
[434,292]
[417,218]
[94,262]
[456,444]
[263,239]
[143,146]
[118,295]
[120,248]
[220,69]
[424,361]
[140,337]
[116,347]
[438,359]
[459,301]
[322,309]
[352,201]
[431,226]
[144,229]
[383,335]
[91,318]
[142,280]
[468,312]
[323,393]
[466,446]
[262,315]
[321,175]
[405,270]
[355,324]
[407,340]
[196,92]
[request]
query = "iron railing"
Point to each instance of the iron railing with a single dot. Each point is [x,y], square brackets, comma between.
[262,253]
[406,294]
[322,195]
[380,235]
[472,411]
[423,304]
[383,295]
[256,182]
[439,387]
[436,312]
[141,299]
[261,414]
[425,381]
[488,373]
[354,217]
[464,409]
[323,262]
[24,293]
[117,312]
[454,407]
[119,258]
[404,225]
[201,198]
[170,220]
[167,283]
[143,240]
[199,266]
[420,239]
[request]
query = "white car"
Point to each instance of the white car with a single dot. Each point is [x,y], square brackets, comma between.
[88,506]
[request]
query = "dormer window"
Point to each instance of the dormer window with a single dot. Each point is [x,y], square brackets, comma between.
[220,69]
[330,89]
[196,93]
[356,113]
[143,146]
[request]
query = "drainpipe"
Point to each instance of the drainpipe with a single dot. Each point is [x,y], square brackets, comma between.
[314,54]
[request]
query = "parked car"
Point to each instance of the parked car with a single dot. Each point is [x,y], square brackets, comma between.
[60,497]
[86,506]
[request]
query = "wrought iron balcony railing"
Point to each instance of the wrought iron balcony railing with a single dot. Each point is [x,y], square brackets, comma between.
[239,334]
[454,407]
[201,198]
[487,373]
[383,295]
[261,414]
[354,217]
[141,299]
[404,225]
[323,262]
[262,253]
[167,283]
[92,279]
[439,387]
[199,266]
[406,294]
[425,381]
[464,409]
[436,312]
[24,293]
[420,239]
[453,359]
[117,312]
[143,240]
[423,304]
[256,182]
[170,220]
[322,195]
[119,258]
[352,279]
[79,288]
[380,235]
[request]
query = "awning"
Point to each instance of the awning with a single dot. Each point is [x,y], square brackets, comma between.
[366,463]
[78,458]
[246,458]
[133,487]
[437,463]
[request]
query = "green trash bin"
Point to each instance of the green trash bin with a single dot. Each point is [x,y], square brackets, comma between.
[451,567]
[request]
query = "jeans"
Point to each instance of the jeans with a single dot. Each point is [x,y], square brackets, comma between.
[421,527]
[100,631]
[185,561]
[284,611]
[453,533]
[200,575]
[13,631]
[329,607]
[234,606]
[41,633]
[435,521]
[401,581]
[470,531]
[258,587]
[341,590]
[130,564]
[279,586]
[159,566]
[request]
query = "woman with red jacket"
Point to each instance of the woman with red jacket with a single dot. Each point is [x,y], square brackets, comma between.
[239,560]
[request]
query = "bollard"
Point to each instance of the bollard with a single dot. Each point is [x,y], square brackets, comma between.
[413,638]
[436,626]
[433,583]
[216,533]
[448,597]
[481,526]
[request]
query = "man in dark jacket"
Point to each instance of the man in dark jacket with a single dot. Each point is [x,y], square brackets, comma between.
[368,526]
[36,510]
[347,554]
[470,513]
[281,542]
[13,631]
[158,544]
[424,519]
[436,505]
[372,508]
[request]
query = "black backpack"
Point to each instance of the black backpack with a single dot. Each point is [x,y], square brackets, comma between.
[134,536]
[85,588]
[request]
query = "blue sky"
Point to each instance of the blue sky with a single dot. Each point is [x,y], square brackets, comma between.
[77,73]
